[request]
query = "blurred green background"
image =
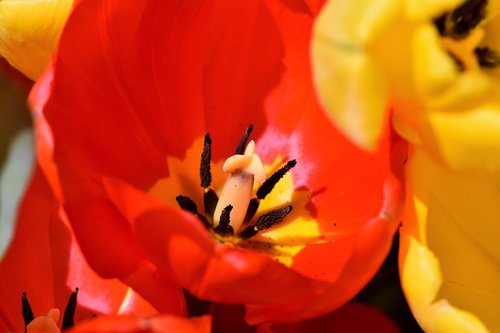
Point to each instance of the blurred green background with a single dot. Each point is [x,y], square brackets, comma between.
[14,115]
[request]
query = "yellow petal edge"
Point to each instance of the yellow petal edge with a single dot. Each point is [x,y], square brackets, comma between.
[421,279]
[29,31]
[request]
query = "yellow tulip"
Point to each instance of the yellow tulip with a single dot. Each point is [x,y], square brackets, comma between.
[450,254]
[436,63]
[29,30]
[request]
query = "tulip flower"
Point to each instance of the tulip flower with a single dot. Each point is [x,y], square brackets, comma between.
[143,126]
[29,30]
[436,65]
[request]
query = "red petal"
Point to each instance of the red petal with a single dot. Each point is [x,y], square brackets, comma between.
[370,248]
[239,47]
[159,324]
[179,244]
[29,252]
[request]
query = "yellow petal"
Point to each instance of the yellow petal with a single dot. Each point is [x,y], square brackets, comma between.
[433,70]
[420,10]
[450,268]
[355,22]
[352,91]
[468,90]
[29,30]
[350,84]
[468,140]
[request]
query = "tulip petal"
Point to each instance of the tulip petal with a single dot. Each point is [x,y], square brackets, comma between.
[128,324]
[371,247]
[424,9]
[217,272]
[467,140]
[449,253]
[434,70]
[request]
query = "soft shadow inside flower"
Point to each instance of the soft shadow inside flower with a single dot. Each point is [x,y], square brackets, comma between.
[271,215]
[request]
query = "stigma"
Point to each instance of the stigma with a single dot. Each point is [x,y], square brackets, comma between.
[237,191]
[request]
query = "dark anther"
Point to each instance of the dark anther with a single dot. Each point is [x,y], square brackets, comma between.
[486,57]
[253,205]
[269,219]
[206,156]
[265,221]
[69,312]
[440,24]
[462,20]
[187,203]
[269,184]
[28,315]
[224,228]
[210,200]
[243,142]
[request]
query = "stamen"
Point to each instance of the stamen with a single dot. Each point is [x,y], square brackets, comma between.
[253,205]
[269,184]
[224,228]
[206,156]
[210,200]
[486,57]
[69,312]
[186,203]
[265,221]
[243,142]
[28,315]
[459,23]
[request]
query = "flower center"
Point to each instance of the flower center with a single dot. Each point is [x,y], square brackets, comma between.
[232,213]
[463,35]
[48,323]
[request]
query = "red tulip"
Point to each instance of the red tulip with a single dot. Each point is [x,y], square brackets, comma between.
[121,116]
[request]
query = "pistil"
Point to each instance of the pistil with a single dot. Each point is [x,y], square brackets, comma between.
[237,191]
